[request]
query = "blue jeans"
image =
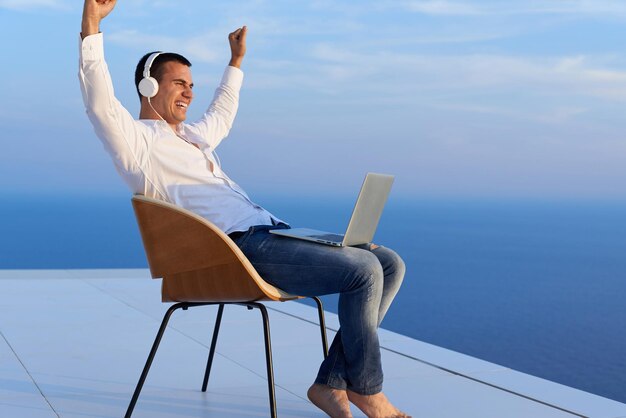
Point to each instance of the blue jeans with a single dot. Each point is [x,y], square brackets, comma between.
[366,280]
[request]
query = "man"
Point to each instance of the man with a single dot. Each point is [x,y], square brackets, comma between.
[161,156]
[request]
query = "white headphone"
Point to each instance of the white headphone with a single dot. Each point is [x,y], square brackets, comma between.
[149,86]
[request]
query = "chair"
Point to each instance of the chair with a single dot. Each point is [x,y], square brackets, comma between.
[200,265]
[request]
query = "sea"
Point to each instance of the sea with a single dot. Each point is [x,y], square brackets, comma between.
[538,286]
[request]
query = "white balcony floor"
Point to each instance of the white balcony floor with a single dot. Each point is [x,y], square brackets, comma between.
[73,344]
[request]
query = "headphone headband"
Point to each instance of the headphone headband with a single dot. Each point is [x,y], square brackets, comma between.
[149,61]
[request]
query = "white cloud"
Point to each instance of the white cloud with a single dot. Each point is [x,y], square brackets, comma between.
[442,7]
[197,48]
[465,8]
[545,90]
[568,75]
[34,4]
[553,115]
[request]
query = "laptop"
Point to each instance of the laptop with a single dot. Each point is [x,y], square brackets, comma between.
[365,216]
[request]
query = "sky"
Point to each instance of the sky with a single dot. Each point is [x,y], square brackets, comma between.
[460,99]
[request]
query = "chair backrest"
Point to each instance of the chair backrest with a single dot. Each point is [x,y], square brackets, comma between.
[197,261]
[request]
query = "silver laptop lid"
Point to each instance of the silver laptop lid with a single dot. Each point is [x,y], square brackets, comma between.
[368,209]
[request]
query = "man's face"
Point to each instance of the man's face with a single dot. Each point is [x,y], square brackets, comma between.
[175,93]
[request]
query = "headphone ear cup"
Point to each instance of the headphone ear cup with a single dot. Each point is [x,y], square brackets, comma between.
[148,87]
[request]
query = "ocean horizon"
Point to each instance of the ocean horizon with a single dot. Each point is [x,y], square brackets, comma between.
[534,285]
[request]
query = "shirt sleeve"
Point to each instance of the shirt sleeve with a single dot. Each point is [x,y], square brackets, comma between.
[218,119]
[120,134]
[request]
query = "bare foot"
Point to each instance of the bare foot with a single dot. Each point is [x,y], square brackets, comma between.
[332,401]
[376,406]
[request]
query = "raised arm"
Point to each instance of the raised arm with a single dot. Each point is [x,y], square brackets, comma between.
[216,122]
[93,12]
[123,138]
[237,40]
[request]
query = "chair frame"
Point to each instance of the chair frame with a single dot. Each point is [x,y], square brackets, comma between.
[266,333]
[269,293]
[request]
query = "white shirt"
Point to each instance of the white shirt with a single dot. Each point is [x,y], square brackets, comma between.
[155,162]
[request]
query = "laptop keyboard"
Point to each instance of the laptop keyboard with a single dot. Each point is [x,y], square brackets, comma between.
[329,237]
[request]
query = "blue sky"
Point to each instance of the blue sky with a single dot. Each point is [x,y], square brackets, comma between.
[457,98]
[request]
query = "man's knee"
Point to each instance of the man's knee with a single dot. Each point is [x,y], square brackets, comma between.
[392,263]
[398,265]
[365,271]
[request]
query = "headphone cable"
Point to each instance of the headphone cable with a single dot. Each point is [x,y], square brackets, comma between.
[217,158]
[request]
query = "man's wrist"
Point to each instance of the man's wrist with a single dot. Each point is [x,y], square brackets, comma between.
[236,62]
[89,28]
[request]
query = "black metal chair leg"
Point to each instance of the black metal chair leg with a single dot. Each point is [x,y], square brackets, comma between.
[320,314]
[153,351]
[216,331]
[268,357]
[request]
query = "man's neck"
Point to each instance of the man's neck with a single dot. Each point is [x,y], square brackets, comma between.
[150,114]
[147,113]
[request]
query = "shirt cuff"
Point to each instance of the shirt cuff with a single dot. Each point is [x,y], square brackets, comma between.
[233,76]
[92,47]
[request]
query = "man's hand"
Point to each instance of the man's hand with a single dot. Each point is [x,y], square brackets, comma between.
[237,41]
[93,12]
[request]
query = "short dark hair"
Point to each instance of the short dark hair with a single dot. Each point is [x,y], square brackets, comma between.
[156,69]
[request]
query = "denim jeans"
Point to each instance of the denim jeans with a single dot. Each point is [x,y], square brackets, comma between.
[366,280]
